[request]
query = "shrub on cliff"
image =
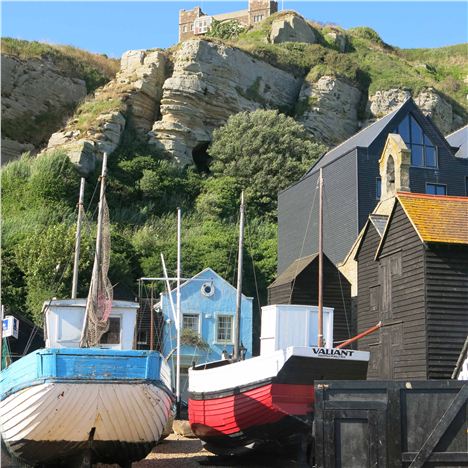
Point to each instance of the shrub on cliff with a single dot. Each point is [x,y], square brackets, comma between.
[265,152]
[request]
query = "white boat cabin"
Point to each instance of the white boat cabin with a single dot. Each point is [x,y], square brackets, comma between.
[64,322]
[285,325]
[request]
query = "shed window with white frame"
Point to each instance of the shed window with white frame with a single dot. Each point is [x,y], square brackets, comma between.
[224,329]
[112,335]
[191,321]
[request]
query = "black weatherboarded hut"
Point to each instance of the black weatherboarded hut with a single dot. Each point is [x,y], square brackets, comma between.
[414,278]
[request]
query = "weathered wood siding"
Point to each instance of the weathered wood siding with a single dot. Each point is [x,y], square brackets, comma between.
[336,294]
[408,352]
[447,307]
[368,284]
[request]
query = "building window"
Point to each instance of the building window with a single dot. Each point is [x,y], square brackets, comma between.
[191,27]
[423,151]
[258,18]
[436,189]
[191,321]
[224,329]
[112,336]
[142,337]
[378,188]
[184,29]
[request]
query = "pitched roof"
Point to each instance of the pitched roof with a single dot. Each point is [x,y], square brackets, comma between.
[364,138]
[437,218]
[293,270]
[459,139]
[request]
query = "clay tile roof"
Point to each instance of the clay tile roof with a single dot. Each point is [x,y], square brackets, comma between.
[437,218]
[293,270]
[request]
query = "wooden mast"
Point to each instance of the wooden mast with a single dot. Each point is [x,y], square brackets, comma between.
[78,240]
[237,356]
[320,272]
[178,318]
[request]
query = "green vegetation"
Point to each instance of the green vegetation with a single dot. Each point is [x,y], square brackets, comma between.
[94,69]
[89,110]
[225,29]
[264,152]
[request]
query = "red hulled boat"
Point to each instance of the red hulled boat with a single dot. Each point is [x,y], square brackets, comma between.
[264,401]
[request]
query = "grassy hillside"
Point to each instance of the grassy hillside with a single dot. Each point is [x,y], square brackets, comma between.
[94,69]
[367,61]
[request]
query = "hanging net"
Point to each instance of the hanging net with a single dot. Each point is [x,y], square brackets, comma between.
[99,303]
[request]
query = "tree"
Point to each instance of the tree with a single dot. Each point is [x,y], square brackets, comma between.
[225,29]
[265,151]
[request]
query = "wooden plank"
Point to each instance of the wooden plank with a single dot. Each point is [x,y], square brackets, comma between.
[439,430]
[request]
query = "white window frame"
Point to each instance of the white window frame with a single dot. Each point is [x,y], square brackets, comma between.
[109,345]
[197,314]
[231,341]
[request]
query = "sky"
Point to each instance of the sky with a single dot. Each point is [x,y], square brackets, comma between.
[113,27]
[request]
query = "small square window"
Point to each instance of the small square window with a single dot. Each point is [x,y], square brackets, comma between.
[112,336]
[190,321]
[436,189]
[224,329]
[142,337]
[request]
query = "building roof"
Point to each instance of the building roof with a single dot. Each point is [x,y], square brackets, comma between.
[435,218]
[364,138]
[459,139]
[293,270]
[230,16]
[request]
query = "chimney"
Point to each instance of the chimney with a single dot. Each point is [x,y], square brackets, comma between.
[394,167]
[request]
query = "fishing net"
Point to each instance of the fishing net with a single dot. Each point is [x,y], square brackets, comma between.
[99,303]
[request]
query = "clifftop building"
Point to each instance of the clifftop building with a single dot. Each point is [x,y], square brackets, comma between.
[194,22]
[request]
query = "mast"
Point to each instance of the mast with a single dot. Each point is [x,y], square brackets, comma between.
[78,240]
[320,272]
[178,317]
[236,356]
[97,255]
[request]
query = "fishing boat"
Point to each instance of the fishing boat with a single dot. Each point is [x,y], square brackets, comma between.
[236,406]
[88,396]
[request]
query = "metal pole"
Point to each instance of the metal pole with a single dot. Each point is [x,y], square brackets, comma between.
[178,314]
[152,320]
[169,291]
[78,240]
[239,283]
[320,273]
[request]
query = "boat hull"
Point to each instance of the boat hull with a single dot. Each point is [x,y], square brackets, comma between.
[263,402]
[57,420]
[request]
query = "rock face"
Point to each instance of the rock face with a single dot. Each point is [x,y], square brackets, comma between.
[211,82]
[291,28]
[135,94]
[383,102]
[36,99]
[437,108]
[328,109]
[337,39]
[428,100]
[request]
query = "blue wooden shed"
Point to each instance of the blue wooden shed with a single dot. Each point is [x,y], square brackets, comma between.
[208,305]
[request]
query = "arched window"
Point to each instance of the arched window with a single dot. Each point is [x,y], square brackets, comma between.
[390,175]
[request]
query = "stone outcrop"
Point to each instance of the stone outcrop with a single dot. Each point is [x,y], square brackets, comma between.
[432,104]
[291,28]
[328,109]
[429,101]
[211,82]
[135,94]
[337,39]
[36,100]
[383,102]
